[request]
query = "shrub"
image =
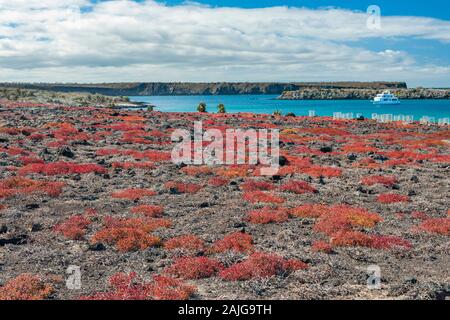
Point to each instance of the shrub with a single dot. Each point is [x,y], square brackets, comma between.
[165,288]
[61,168]
[358,147]
[73,228]
[20,186]
[148,210]
[357,238]
[318,171]
[392,198]
[129,287]
[218,182]
[298,187]
[107,152]
[344,218]
[387,181]
[194,268]
[310,211]
[261,265]
[322,246]
[436,225]
[201,107]
[237,241]
[267,215]
[29,160]
[254,185]
[133,194]
[236,171]
[130,234]
[181,187]
[157,156]
[186,242]
[25,287]
[345,238]
[388,242]
[261,197]
[419,215]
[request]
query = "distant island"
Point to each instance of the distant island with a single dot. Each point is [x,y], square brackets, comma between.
[362,94]
[207,88]
[113,93]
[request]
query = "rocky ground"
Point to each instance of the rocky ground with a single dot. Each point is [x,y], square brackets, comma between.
[18,94]
[339,154]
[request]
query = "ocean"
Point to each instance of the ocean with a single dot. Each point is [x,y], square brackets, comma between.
[268,104]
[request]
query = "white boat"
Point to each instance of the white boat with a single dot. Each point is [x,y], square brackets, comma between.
[386,98]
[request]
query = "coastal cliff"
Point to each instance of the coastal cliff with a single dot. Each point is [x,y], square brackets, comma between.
[190,88]
[362,94]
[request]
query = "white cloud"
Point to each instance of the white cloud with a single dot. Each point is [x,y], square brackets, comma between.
[52,40]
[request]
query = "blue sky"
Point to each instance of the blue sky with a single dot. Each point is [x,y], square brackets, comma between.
[228,40]
[431,8]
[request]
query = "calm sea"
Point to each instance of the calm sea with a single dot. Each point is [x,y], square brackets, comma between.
[268,104]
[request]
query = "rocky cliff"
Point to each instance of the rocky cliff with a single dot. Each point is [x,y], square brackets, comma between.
[362,94]
[189,88]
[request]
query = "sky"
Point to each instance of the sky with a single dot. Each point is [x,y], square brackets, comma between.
[211,40]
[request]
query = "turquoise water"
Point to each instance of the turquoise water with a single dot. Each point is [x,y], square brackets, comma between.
[268,104]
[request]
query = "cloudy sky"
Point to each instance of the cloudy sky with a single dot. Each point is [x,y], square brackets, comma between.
[211,40]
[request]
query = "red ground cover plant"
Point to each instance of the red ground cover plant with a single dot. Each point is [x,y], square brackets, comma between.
[29,160]
[2,207]
[326,172]
[310,210]
[73,228]
[255,185]
[148,210]
[387,198]
[186,242]
[133,194]
[218,182]
[236,171]
[25,287]
[345,218]
[387,181]
[388,242]
[322,246]
[130,287]
[261,265]
[22,186]
[194,268]
[262,197]
[130,234]
[237,241]
[298,187]
[358,147]
[356,238]
[268,215]
[157,156]
[61,168]
[419,215]
[436,225]
[181,187]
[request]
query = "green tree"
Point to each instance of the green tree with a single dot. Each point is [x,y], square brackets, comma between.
[221,108]
[201,107]
[277,113]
